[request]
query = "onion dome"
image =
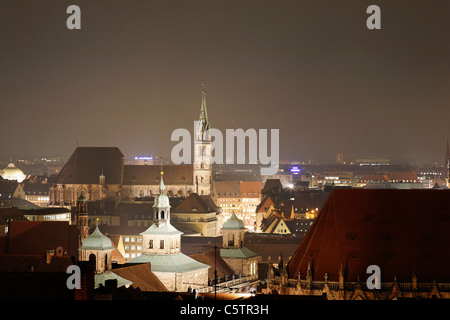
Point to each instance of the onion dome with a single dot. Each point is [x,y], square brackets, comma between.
[97,241]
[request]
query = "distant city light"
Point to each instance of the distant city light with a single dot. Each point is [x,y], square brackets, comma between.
[295,170]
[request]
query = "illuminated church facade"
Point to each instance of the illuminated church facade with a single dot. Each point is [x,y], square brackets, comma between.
[100,173]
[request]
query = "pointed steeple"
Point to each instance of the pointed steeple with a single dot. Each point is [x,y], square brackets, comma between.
[203,113]
[161,182]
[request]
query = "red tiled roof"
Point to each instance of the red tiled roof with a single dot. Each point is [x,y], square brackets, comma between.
[11,213]
[36,237]
[197,204]
[403,176]
[251,187]
[401,231]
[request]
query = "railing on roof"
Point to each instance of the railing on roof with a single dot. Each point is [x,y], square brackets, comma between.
[386,286]
[227,285]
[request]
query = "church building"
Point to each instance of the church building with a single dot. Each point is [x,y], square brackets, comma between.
[242,260]
[99,247]
[404,233]
[161,244]
[100,173]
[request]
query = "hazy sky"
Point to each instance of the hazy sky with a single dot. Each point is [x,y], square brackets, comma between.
[311,69]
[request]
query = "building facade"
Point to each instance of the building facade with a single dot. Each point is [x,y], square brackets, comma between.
[101,173]
[404,233]
[242,260]
[161,247]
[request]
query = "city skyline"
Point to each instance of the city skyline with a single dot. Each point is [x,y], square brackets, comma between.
[134,73]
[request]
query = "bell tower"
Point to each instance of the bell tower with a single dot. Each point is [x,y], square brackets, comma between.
[202,151]
[82,219]
[161,206]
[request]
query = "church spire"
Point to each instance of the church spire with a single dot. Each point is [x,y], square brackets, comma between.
[161,182]
[203,113]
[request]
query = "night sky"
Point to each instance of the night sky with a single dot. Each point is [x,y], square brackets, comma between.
[311,69]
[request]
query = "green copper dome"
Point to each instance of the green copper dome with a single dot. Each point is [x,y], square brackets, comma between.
[97,241]
[233,223]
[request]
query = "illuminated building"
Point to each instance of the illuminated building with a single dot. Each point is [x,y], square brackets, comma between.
[161,247]
[242,260]
[11,172]
[334,178]
[143,160]
[100,173]
[403,232]
[200,214]
[99,247]
[240,197]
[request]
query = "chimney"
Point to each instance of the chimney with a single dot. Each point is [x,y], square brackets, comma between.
[50,254]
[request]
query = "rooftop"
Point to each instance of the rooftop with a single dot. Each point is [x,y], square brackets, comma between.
[401,231]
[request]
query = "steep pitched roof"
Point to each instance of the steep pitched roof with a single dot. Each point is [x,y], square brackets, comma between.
[11,213]
[265,203]
[195,203]
[150,174]
[8,188]
[36,188]
[272,186]
[401,231]
[36,237]
[251,187]
[404,176]
[86,165]
[227,188]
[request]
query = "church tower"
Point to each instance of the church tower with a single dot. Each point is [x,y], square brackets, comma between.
[161,247]
[82,219]
[241,259]
[202,151]
[98,247]
[161,238]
